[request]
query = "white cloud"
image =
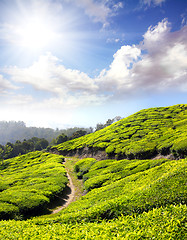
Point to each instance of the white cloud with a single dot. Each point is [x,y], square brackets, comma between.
[156,34]
[69,87]
[184,18]
[153,2]
[118,6]
[48,75]
[100,10]
[165,64]
[113,40]
[19,99]
[117,77]
[5,85]
[158,63]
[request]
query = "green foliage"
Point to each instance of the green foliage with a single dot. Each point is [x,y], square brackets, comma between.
[106,172]
[127,199]
[142,135]
[180,147]
[12,150]
[61,138]
[29,182]
[82,166]
[163,223]
[127,187]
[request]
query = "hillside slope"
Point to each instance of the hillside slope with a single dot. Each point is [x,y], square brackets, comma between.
[29,182]
[146,134]
[126,187]
[126,199]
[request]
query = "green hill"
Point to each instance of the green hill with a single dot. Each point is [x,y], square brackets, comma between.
[29,182]
[126,187]
[143,135]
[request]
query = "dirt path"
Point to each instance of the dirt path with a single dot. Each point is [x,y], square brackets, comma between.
[69,196]
[73,191]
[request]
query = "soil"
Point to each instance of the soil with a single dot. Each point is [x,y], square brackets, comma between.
[66,199]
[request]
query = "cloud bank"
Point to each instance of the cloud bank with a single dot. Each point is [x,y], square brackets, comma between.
[157,64]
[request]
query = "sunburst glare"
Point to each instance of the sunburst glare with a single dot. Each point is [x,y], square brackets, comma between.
[35,33]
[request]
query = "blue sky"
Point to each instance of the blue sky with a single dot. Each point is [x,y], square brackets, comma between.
[67,63]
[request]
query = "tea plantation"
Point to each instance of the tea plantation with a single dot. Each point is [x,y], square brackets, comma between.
[150,132]
[126,199]
[29,182]
[132,194]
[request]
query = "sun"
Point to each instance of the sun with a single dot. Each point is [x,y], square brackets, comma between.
[35,33]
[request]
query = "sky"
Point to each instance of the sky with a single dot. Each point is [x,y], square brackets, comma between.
[67,63]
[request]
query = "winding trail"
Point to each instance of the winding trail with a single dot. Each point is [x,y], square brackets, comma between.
[68,197]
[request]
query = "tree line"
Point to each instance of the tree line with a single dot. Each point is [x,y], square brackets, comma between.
[10,150]
[47,137]
[12,131]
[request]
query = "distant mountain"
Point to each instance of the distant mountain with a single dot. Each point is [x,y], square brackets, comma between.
[13,131]
[151,132]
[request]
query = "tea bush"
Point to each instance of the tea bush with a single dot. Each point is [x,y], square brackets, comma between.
[29,182]
[142,135]
[159,224]
[83,166]
[127,199]
[128,187]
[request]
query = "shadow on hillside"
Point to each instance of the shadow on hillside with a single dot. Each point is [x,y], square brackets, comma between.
[60,199]
[57,201]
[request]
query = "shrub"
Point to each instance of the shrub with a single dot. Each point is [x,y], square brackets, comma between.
[141,135]
[179,148]
[29,182]
[82,166]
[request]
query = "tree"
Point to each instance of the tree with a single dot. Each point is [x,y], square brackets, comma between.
[78,133]
[27,146]
[8,150]
[61,138]
[109,122]
[117,118]
[99,126]
[1,153]
[43,143]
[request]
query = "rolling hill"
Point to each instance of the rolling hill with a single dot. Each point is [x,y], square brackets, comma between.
[143,135]
[137,191]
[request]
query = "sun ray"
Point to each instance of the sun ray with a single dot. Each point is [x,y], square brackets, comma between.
[35,33]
